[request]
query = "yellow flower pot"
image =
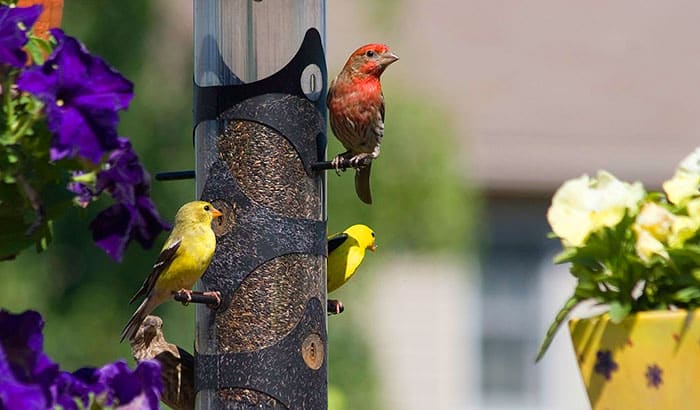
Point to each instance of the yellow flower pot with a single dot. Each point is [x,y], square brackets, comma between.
[650,360]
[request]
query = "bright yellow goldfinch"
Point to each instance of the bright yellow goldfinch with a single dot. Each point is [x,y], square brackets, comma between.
[182,261]
[346,250]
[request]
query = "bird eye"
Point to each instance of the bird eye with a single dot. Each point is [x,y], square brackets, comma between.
[369,53]
[372,234]
[206,207]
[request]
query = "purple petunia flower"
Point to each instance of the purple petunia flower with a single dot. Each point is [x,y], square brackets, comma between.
[140,389]
[124,178]
[14,24]
[82,95]
[26,373]
[83,194]
[134,216]
[29,380]
[78,385]
[653,376]
[604,364]
[115,226]
[112,384]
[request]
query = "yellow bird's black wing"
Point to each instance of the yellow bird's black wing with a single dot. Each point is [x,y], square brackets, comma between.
[164,260]
[335,240]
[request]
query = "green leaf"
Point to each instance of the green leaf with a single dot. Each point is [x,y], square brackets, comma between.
[16,212]
[37,49]
[554,327]
[619,310]
[35,52]
[567,255]
[687,295]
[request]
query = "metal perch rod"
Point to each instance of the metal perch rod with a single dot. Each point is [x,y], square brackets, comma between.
[196,297]
[175,175]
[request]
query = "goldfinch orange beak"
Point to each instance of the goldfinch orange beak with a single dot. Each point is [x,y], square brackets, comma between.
[372,247]
[215,213]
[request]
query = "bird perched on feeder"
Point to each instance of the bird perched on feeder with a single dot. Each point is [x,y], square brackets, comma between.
[182,261]
[346,250]
[356,107]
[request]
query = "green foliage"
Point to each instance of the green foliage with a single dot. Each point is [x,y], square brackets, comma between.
[79,290]
[32,190]
[38,48]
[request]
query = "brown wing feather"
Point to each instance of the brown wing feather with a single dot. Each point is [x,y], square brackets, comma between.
[164,260]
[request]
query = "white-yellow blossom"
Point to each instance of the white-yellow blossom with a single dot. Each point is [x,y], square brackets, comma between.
[584,205]
[655,219]
[647,245]
[693,208]
[684,228]
[685,183]
[653,227]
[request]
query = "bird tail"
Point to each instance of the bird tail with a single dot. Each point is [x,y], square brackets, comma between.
[137,318]
[362,184]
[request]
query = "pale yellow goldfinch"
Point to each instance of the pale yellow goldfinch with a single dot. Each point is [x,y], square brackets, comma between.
[182,261]
[346,250]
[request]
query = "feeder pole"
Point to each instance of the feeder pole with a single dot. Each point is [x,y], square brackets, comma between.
[259,126]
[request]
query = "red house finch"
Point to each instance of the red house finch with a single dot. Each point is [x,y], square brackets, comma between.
[356,106]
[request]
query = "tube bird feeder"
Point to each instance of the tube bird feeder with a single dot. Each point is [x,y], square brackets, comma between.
[259,125]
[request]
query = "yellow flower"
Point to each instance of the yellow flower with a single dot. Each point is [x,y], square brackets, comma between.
[693,207]
[653,227]
[655,219]
[647,245]
[683,228]
[584,205]
[681,187]
[685,183]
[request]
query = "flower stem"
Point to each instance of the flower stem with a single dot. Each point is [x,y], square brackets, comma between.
[561,316]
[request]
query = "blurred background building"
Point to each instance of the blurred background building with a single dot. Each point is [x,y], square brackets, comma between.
[491,107]
[537,92]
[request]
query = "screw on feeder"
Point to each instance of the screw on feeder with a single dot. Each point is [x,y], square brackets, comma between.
[310,80]
[312,351]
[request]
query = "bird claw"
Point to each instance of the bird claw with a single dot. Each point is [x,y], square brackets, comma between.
[343,161]
[335,307]
[188,296]
[215,294]
[338,164]
[360,160]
